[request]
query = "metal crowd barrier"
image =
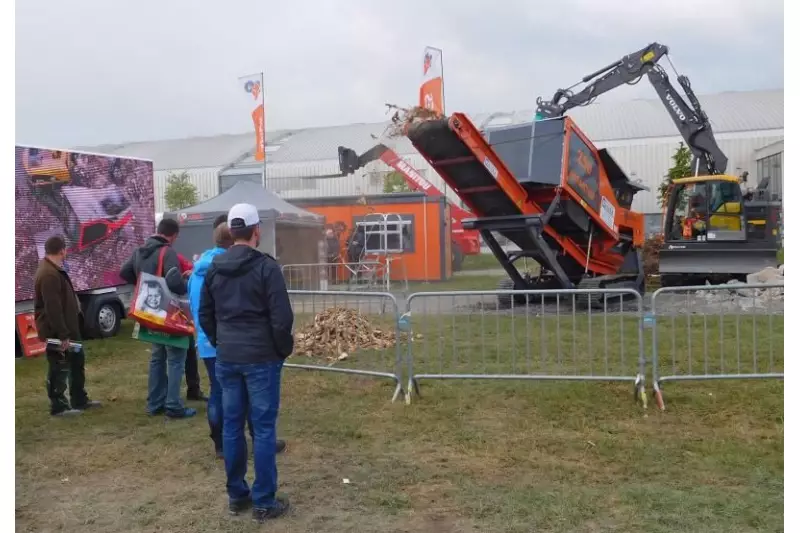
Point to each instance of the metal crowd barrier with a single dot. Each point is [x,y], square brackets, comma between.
[544,335]
[366,275]
[716,332]
[324,351]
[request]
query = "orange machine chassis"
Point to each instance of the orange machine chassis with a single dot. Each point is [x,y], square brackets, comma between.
[598,255]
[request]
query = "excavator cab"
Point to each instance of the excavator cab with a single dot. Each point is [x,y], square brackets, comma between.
[711,228]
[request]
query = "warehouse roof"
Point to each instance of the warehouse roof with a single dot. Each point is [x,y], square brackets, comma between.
[194,152]
[601,121]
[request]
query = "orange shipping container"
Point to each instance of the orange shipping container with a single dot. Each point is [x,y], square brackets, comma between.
[428,253]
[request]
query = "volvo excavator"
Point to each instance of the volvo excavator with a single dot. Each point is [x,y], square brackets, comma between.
[713,231]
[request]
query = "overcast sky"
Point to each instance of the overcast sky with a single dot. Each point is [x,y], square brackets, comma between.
[103,71]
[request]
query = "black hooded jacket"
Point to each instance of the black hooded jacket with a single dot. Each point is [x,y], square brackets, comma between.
[245,309]
[145,259]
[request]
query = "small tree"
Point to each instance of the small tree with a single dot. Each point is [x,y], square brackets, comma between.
[180,192]
[395,182]
[681,168]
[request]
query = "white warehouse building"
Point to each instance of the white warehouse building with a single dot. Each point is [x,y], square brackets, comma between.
[639,134]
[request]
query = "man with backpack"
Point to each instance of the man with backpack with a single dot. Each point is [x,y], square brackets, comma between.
[167,363]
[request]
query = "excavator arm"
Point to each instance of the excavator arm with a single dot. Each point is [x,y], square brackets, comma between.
[689,117]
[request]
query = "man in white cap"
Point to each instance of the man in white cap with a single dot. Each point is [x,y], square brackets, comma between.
[246,314]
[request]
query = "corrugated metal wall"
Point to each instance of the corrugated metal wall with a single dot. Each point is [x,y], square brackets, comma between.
[644,159]
[204,178]
[650,159]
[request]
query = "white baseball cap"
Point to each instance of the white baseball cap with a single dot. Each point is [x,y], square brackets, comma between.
[243,216]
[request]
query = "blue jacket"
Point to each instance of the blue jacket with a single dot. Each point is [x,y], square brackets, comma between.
[245,309]
[204,348]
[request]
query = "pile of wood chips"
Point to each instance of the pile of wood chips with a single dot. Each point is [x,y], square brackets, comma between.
[404,117]
[337,332]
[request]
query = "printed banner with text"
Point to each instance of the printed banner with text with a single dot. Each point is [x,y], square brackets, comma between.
[431,92]
[254,89]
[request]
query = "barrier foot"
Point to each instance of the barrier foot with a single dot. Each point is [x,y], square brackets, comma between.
[639,393]
[413,388]
[398,390]
[658,396]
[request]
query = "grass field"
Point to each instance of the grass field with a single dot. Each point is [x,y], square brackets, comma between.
[479,262]
[466,456]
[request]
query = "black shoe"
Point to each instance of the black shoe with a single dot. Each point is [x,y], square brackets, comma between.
[159,411]
[239,506]
[196,397]
[280,446]
[187,412]
[279,509]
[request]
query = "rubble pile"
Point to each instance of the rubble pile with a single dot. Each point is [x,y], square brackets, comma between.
[337,332]
[749,299]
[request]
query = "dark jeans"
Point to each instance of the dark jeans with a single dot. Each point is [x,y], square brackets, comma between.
[259,385]
[214,409]
[66,370]
[164,383]
[192,371]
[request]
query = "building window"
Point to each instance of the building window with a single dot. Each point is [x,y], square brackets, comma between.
[392,235]
[226,182]
[771,167]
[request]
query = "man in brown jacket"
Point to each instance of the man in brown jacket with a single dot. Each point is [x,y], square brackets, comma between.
[57,311]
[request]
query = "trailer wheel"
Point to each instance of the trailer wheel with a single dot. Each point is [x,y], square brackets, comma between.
[105,320]
[457,259]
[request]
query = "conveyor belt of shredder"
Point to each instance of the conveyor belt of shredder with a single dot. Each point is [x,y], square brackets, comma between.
[452,159]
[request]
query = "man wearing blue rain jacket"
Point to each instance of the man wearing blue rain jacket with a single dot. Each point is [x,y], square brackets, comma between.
[222,241]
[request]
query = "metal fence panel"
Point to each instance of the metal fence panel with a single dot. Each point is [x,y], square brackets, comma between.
[380,309]
[363,276]
[543,335]
[731,331]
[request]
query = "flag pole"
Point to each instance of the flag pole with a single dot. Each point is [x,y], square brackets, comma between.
[264,123]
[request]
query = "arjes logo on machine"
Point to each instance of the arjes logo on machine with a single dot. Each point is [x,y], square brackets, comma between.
[586,165]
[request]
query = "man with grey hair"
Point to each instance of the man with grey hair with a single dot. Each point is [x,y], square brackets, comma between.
[246,314]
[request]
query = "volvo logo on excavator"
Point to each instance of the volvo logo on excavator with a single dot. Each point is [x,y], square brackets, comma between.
[675,107]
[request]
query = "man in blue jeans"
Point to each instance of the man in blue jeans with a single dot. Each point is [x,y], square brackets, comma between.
[167,363]
[246,314]
[222,241]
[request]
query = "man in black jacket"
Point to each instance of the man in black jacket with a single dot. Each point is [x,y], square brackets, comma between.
[246,314]
[167,363]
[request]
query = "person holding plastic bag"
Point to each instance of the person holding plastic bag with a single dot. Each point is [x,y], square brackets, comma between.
[167,363]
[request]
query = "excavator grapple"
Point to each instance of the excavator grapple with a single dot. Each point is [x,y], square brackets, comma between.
[546,188]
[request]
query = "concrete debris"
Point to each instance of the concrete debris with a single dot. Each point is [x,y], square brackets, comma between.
[768,275]
[747,299]
[338,332]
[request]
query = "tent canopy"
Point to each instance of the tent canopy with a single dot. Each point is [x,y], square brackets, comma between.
[269,205]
